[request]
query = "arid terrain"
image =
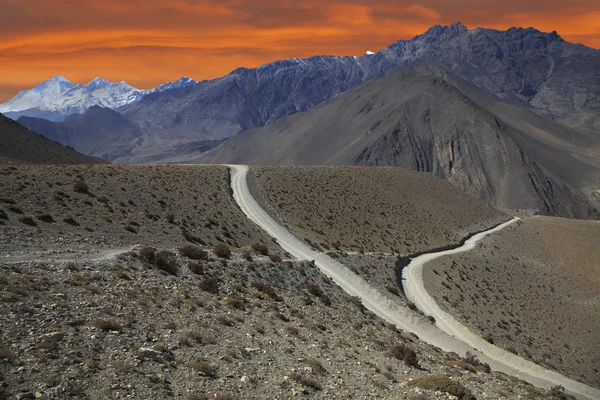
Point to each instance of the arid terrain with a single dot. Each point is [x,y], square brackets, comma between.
[101,298]
[370,209]
[532,289]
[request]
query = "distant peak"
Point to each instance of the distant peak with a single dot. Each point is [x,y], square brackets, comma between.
[98,80]
[59,78]
[455,29]
[369,53]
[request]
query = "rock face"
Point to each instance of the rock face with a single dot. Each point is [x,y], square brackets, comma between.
[24,146]
[98,131]
[422,122]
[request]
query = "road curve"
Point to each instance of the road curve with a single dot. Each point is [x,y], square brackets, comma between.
[449,335]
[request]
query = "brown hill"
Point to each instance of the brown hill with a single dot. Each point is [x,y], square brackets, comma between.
[20,145]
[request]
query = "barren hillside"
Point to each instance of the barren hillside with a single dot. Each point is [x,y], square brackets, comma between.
[532,288]
[371,209]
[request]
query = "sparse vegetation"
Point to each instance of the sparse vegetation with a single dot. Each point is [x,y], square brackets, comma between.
[44,217]
[80,187]
[222,250]
[27,220]
[307,381]
[107,325]
[205,368]
[402,352]
[193,252]
[260,248]
[443,384]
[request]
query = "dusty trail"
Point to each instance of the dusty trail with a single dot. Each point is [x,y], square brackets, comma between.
[386,308]
[75,256]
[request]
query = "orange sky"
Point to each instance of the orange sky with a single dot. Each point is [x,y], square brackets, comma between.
[148,42]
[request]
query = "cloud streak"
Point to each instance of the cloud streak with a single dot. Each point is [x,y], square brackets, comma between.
[147,42]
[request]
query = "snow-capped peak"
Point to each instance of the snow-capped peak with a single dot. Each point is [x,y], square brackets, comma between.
[44,93]
[58,95]
[369,53]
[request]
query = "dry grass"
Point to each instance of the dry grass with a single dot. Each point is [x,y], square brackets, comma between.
[107,325]
[390,210]
[193,252]
[443,384]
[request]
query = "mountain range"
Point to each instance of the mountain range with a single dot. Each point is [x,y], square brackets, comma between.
[57,98]
[519,124]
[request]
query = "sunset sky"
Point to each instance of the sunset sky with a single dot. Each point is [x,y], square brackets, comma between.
[148,42]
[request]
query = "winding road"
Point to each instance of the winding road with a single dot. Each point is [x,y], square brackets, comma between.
[448,334]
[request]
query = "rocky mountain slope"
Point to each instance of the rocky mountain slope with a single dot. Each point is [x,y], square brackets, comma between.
[144,304]
[421,122]
[20,145]
[97,131]
[519,283]
[558,79]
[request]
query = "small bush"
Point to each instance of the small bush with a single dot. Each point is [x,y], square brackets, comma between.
[316,366]
[247,256]
[193,252]
[275,258]
[196,268]
[3,215]
[472,360]
[260,248]
[27,220]
[80,187]
[129,228]
[147,254]
[205,368]
[443,384]
[210,285]
[44,218]
[165,260]
[402,352]
[314,289]
[268,290]
[222,250]
[306,381]
[70,221]
[119,273]
[107,325]
[5,353]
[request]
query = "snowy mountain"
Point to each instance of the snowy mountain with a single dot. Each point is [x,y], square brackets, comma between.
[43,94]
[58,98]
[182,82]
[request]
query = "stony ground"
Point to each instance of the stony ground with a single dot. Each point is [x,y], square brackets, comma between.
[42,207]
[211,328]
[99,300]
[370,209]
[534,289]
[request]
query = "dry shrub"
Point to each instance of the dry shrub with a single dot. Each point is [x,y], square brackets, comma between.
[193,252]
[165,260]
[80,187]
[222,250]
[268,290]
[5,353]
[196,268]
[3,215]
[119,273]
[107,325]
[316,366]
[275,258]
[129,228]
[44,217]
[443,384]
[402,352]
[471,359]
[205,368]
[260,248]
[210,285]
[314,289]
[27,220]
[306,381]
[147,254]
